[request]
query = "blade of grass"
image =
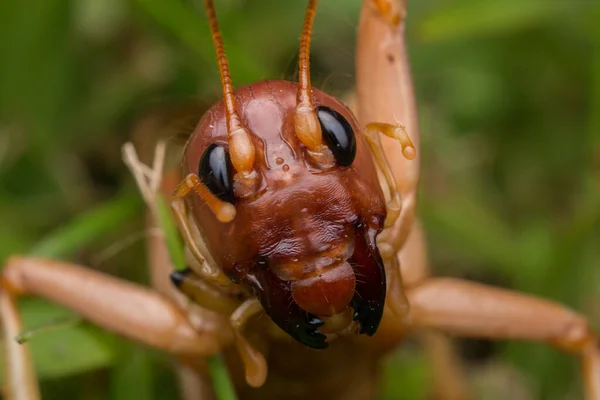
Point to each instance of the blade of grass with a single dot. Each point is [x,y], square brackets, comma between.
[55,324]
[167,225]
[468,19]
[221,379]
[88,226]
[184,23]
[70,348]
[594,131]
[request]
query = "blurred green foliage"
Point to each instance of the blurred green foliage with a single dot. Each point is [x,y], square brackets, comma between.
[509,97]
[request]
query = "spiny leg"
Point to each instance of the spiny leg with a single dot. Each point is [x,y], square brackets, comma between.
[475,310]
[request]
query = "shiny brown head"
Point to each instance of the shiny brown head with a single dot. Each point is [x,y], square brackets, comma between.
[294,204]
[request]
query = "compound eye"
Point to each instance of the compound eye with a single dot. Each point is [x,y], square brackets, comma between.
[216,172]
[338,135]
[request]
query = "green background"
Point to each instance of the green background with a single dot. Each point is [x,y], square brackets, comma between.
[509,102]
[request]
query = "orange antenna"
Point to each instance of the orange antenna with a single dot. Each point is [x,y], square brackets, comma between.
[241,149]
[306,122]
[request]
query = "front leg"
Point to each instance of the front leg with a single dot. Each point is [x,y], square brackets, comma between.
[130,310]
[469,309]
[385,94]
[204,294]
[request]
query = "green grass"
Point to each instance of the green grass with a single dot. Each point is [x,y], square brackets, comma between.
[509,97]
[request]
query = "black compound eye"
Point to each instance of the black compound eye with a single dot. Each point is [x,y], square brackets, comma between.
[216,172]
[338,135]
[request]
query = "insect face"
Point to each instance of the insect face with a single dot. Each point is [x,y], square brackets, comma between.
[304,240]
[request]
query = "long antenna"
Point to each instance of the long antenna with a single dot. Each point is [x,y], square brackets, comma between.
[306,122]
[241,149]
[304,90]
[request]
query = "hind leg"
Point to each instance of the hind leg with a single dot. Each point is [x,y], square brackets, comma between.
[474,310]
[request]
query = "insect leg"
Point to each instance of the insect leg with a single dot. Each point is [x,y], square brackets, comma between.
[193,241]
[404,269]
[385,94]
[394,205]
[194,379]
[254,360]
[474,310]
[225,212]
[201,292]
[387,10]
[133,311]
[20,378]
[396,303]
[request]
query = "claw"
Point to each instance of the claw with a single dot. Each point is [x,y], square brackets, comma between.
[313,338]
[367,316]
[275,295]
[369,299]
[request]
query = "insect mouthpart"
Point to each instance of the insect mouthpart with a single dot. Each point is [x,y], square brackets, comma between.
[299,306]
[327,292]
